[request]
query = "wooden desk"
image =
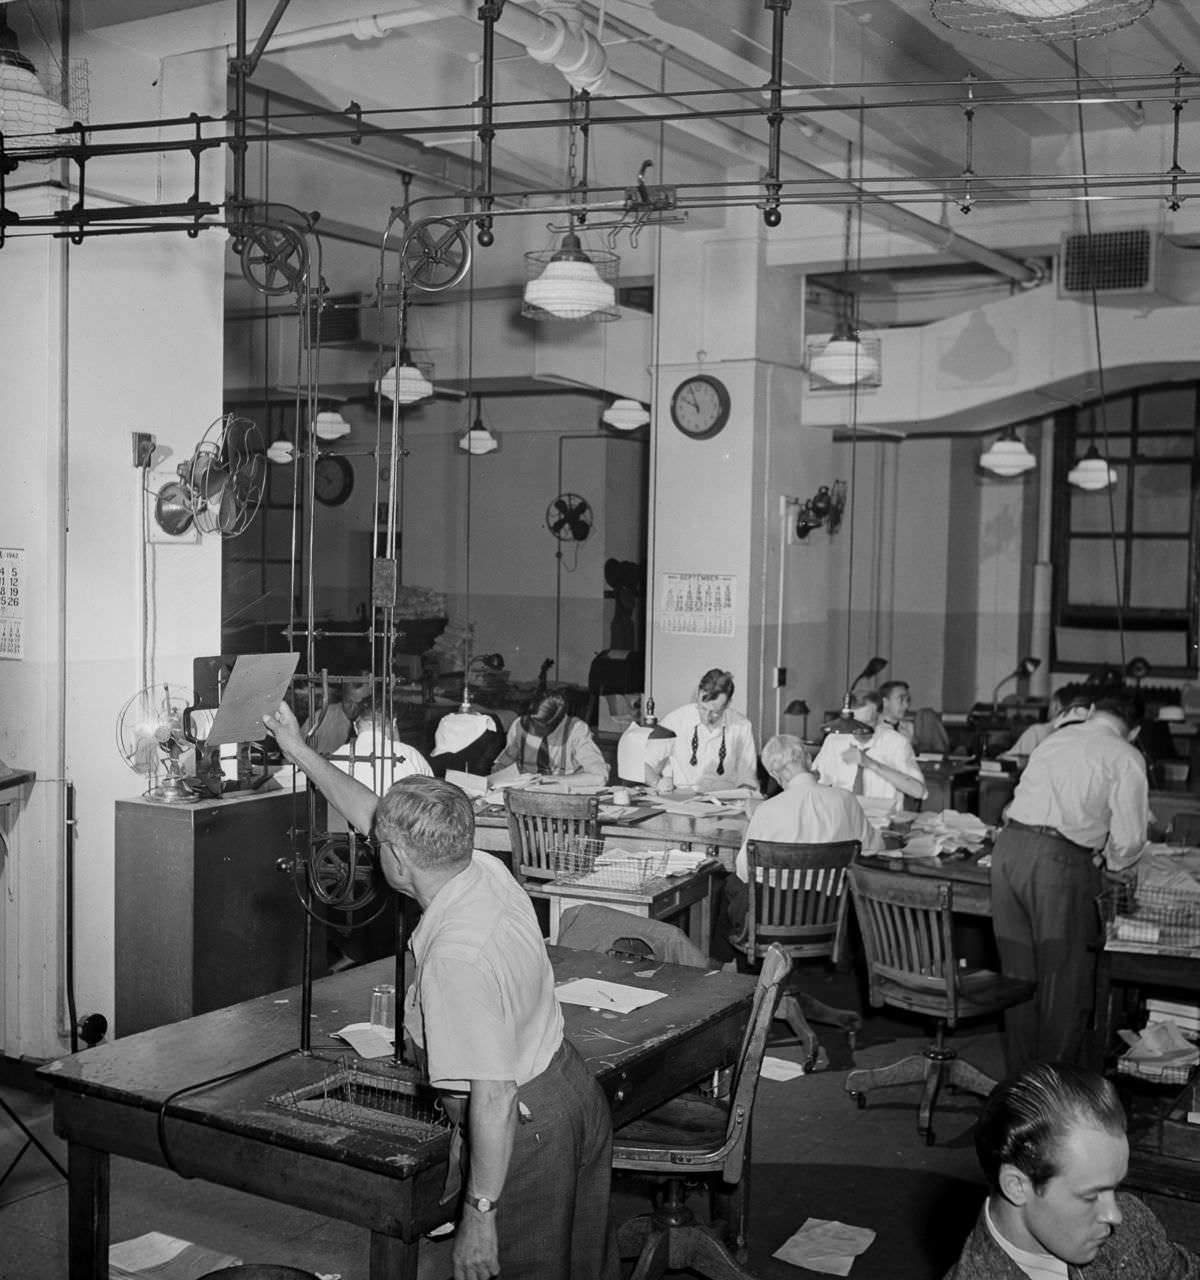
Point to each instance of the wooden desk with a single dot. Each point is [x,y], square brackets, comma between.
[689,896]
[972,883]
[667,830]
[107,1101]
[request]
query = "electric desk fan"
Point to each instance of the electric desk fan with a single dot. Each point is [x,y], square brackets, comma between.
[151,740]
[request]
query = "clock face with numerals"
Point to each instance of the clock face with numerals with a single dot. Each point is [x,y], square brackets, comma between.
[700,406]
[333,480]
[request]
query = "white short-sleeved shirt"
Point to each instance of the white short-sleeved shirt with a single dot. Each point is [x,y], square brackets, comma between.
[482,1003]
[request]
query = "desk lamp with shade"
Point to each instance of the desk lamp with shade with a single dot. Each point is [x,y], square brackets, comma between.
[1026,667]
[798,707]
[643,746]
[844,721]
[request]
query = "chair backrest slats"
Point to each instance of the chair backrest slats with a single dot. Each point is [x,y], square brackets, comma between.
[907,935]
[797,896]
[540,825]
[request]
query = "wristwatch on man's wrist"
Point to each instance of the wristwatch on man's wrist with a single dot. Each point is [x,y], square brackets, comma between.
[480,1203]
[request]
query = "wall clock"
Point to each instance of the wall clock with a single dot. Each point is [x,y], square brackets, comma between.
[333,479]
[700,406]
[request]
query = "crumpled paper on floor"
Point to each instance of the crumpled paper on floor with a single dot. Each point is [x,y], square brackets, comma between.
[828,1247]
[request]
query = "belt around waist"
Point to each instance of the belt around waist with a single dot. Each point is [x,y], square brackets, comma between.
[1051,833]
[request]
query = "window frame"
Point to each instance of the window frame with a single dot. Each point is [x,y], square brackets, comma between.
[1072,436]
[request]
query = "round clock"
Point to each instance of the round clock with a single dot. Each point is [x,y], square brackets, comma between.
[333,479]
[700,406]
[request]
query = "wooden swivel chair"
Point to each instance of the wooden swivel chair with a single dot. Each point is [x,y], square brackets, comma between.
[698,1138]
[797,898]
[541,823]
[911,964]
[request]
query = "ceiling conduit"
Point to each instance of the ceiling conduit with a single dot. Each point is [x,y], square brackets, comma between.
[556,36]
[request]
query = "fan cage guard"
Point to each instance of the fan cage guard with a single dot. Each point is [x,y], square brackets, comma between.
[582,860]
[227,508]
[354,1095]
[1038,19]
[560,522]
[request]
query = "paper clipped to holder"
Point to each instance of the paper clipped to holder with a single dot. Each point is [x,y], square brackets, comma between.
[256,687]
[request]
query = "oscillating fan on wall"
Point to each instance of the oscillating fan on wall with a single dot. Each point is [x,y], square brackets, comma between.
[569,518]
[220,487]
[152,741]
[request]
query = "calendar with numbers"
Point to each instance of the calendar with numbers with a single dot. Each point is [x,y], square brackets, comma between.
[12,590]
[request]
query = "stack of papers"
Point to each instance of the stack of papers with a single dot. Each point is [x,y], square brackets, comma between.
[932,834]
[698,808]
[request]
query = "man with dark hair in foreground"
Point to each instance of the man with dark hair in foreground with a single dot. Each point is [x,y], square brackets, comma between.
[481,1013]
[1052,1144]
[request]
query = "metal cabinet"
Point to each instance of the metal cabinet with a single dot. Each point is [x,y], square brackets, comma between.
[204,917]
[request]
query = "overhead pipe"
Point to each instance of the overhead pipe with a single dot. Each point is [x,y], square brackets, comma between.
[555,36]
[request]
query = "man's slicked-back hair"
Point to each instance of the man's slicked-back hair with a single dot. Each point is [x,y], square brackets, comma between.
[885,689]
[865,696]
[432,818]
[715,682]
[1027,1117]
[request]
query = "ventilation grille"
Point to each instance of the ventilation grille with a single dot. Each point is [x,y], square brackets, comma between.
[336,320]
[1109,262]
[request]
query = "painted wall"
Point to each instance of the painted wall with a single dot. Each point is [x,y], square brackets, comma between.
[125,336]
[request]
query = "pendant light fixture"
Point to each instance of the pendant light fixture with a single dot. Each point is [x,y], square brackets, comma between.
[405,381]
[1038,19]
[626,415]
[1007,456]
[330,425]
[569,281]
[28,113]
[848,358]
[478,439]
[1092,472]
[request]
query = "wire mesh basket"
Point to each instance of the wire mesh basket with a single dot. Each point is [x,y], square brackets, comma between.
[1155,917]
[583,860]
[352,1094]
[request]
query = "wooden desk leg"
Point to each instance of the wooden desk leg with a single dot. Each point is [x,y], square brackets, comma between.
[87,1212]
[391,1258]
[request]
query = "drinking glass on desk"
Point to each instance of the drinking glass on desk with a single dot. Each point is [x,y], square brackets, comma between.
[383,1006]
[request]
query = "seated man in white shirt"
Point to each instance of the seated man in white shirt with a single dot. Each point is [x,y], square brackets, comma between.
[714,747]
[882,767]
[804,812]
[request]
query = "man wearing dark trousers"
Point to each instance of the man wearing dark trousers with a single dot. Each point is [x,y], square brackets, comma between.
[1082,806]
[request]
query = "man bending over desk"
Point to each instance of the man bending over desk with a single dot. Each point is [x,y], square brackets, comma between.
[1051,1140]
[536,1162]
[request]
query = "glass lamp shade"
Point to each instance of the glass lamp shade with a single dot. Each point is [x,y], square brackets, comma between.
[28,117]
[1007,457]
[1038,19]
[571,284]
[1092,472]
[282,452]
[626,415]
[330,425]
[406,382]
[846,360]
[478,440]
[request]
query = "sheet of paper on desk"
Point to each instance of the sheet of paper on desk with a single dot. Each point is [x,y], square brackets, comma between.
[595,993]
[697,808]
[367,1040]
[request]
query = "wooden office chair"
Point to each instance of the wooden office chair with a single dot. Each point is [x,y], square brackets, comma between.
[694,1137]
[911,964]
[797,898]
[538,824]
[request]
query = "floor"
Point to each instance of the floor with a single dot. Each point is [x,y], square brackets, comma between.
[806,1120]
